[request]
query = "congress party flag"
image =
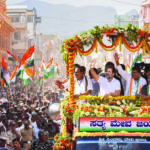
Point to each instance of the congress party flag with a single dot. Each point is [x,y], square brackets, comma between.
[4,72]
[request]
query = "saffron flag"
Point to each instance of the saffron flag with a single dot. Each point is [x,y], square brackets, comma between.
[4,72]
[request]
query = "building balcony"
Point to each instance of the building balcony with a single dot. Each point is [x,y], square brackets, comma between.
[18,25]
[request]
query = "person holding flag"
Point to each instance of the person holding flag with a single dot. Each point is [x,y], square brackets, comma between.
[134,82]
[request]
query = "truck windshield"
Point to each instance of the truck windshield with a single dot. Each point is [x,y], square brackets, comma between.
[113,143]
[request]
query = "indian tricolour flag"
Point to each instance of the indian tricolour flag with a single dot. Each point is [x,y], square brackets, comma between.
[12,57]
[4,72]
[30,61]
[13,74]
[25,74]
[56,70]
[50,67]
[28,54]
[26,78]
[137,58]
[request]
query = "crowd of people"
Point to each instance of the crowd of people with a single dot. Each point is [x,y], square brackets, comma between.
[24,120]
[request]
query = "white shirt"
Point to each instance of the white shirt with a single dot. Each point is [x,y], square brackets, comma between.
[80,86]
[12,136]
[127,77]
[34,125]
[107,86]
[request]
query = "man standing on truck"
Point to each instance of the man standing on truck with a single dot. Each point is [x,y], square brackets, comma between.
[134,82]
[109,86]
[83,85]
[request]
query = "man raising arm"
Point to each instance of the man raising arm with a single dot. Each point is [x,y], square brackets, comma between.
[109,86]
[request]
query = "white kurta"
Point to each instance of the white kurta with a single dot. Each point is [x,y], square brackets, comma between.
[80,86]
[107,86]
[127,77]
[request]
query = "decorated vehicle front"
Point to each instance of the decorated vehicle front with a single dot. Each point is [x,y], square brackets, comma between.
[112,123]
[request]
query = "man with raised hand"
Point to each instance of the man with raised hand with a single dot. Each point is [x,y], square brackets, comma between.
[109,86]
[134,82]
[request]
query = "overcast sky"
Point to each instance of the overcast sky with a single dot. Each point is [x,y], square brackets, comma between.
[121,6]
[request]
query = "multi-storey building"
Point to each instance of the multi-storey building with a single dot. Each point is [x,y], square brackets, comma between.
[127,19]
[6,29]
[145,15]
[25,22]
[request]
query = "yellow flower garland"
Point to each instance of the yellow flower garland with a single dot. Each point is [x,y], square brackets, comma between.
[110,49]
[90,97]
[121,133]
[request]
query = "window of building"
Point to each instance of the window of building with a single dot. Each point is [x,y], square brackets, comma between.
[15,19]
[17,36]
[146,12]
[30,19]
[23,19]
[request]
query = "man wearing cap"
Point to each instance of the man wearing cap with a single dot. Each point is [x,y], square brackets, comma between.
[41,143]
[27,134]
[19,124]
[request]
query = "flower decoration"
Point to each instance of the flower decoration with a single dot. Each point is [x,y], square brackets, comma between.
[122,106]
[62,142]
[131,36]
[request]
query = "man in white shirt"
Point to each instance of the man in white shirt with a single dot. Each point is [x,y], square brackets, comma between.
[83,85]
[109,86]
[134,82]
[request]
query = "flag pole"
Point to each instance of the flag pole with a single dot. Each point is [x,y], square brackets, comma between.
[43,89]
[26,93]
[11,96]
[21,89]
[33,83]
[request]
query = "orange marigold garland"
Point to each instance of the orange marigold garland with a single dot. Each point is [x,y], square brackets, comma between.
[131,47]
[71,75]
[62,142]
[148,47]
[89,51]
